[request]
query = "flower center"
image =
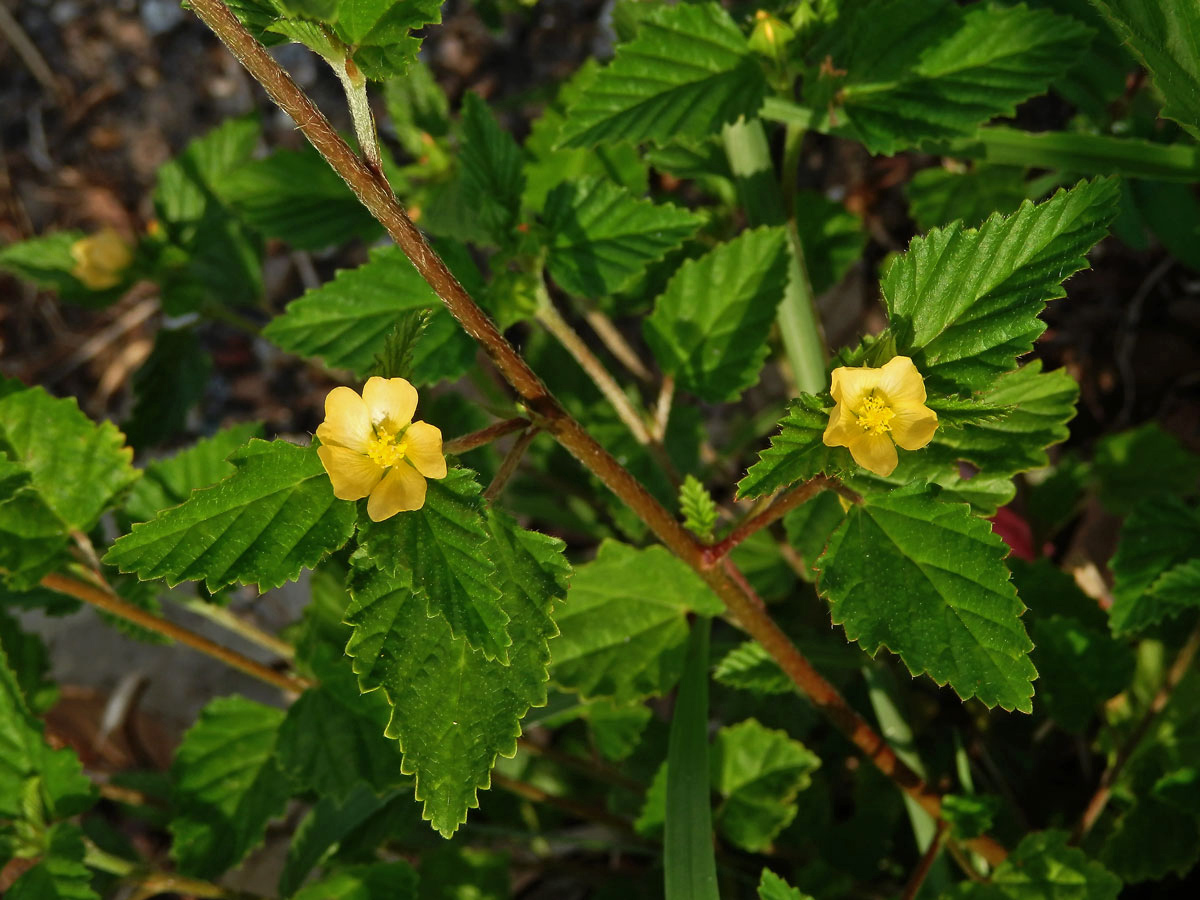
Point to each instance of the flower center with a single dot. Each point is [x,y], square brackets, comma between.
[875,416]
[384,449]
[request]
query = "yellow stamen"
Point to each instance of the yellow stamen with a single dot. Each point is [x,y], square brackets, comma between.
[384,449]
[875,416]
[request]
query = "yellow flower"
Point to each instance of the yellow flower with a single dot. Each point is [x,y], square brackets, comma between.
[100,259]
[371,447]
[876,407]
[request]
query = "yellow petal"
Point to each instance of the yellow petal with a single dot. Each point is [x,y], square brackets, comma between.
[875,452]
[843,427]
[852,384]
[424,449]
[901,383]
[913,426]
[391,401]
[353,475]
[402,490]
[101,258]
[346,421]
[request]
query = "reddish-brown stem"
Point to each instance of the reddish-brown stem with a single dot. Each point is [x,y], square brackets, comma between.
[484,436]
[776,510]
[547,413]
[111,603]
[509,464]
[1183,662]
[921,872]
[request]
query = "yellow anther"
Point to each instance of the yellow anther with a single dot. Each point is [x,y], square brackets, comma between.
[875,416]
[384,450]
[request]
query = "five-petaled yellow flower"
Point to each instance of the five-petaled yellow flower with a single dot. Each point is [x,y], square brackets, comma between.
[101,259]
[876,407]
[371,447]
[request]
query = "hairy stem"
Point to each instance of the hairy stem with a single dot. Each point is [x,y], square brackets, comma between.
[238,625]
[509,464]
[777,509]
[617,345]
[1183,662]
[111,603]
[484,436]
[552,320]
[374,192]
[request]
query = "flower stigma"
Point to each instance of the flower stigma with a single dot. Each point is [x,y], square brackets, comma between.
[384,449]
[876,415]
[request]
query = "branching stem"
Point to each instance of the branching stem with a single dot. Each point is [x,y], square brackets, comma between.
[484,436]
[509,464]
[111,603]
[549,414]
[928,858]
[232,622]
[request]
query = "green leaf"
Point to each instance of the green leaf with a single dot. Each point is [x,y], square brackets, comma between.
[759,771]
[170,481]
[332,738]
[1152,840]
[492,178]
[320,833]
[1165,35]
[772,887]
[221,260]
[1159,537]
[969,815]
[940,196]
[1141,463]
[33,540]
[833,238]
[295,196]
[964,303]
[796,453]
[226,786]
[699,510]
[809,527]
[29,661]
[167,387]
[256,17]
[749,667]
[346,321]
[625,625]
[376,881]
[60,874]
[275,515]
[61,787]
[686,73]
[46,261]
[447,550]
[710,326]
[1043,867]
[549,165]
[905,71]
[78,467]
[381,32]
[602,236]
[418,108]
[453,709]
[688,859]
[926,579]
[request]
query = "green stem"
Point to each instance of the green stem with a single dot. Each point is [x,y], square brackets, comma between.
[239,626]
[354,83]
[750,159]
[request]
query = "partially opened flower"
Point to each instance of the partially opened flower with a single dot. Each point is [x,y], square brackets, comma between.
[101,259]
[371,447]
[878,410]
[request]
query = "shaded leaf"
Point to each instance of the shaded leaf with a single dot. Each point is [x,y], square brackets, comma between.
[625,625]
[710,326]
[1159,537]
[226,786]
